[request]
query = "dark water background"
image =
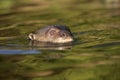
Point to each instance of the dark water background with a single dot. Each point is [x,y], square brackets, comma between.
[94,55]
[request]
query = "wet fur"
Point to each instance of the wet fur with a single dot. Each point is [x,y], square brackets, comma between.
[52,34]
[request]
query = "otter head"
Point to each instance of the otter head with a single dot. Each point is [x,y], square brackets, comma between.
[57,35]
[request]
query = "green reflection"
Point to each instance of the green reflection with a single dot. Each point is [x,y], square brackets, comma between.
[94,55]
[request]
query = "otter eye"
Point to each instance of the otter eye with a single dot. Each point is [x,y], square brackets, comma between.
[52,32]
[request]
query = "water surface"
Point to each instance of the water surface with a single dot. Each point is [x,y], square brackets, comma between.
[94,55]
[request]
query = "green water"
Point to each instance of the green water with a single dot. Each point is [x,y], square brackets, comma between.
[94,55]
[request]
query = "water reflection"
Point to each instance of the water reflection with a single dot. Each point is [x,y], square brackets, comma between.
[29,47]
[112,3]
[49,46]
[19,52]
[104,45]
[95,55]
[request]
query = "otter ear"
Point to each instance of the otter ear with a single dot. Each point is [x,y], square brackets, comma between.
[31,36]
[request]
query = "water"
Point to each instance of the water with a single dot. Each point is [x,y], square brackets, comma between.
[94,55]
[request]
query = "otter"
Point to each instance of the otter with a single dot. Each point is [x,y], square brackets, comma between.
[52,34]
